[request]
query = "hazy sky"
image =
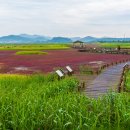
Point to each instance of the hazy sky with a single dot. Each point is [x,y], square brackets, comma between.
[65,17]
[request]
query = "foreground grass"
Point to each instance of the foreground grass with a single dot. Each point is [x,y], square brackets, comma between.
[127,83]
[31,53]
[42,102]
[34,46]
[115,44]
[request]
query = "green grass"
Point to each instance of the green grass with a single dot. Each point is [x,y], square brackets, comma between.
[127,82]
[41,102]
[114,45]
[34,46]
[31,53]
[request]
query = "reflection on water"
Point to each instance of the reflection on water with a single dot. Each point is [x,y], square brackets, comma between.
[21,68]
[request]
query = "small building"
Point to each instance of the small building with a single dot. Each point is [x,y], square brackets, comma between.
[78,44]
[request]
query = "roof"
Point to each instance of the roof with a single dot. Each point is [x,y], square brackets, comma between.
[78,41]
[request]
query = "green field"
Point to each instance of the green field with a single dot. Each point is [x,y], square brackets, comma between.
[30,53]
[41,102]
[34,46]
[114,45]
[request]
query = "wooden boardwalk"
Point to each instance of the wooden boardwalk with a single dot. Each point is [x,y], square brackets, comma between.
[106,81]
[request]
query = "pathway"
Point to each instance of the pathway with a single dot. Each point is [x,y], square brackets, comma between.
[106,81]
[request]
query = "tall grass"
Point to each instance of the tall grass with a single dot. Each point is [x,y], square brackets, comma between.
[43,103]
[127,82]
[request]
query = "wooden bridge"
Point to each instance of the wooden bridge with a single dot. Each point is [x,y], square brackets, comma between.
[106,81]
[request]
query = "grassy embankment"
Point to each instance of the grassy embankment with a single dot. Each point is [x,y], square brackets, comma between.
[31,53]
[31,49]
[40,102]
[34,47]
[115,44]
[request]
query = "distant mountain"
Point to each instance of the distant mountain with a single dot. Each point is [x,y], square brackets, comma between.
[113,39]
[89,39]
[13,39]
[36,37]
[60,40]
[25,38]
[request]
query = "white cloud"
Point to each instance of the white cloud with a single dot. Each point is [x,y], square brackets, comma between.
[65,17]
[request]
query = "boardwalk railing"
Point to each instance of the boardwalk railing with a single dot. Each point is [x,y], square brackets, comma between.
[97,69]
[104,50]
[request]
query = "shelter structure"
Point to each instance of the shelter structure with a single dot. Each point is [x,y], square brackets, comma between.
[78,44]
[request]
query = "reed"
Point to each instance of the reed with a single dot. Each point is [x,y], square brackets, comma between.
[41,102]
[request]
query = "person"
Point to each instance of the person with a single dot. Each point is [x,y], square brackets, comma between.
[118,48]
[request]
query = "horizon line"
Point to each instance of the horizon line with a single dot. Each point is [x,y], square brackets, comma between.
[65,36]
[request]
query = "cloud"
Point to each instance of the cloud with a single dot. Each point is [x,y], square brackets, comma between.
[64,17]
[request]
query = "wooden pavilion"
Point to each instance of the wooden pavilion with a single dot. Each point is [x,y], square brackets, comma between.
[78,44]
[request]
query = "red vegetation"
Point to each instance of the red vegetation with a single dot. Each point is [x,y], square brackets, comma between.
[54,59]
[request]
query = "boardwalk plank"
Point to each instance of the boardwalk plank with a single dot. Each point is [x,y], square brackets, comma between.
[106,81]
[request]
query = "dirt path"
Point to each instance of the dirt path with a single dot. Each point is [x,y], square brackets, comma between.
[106,81]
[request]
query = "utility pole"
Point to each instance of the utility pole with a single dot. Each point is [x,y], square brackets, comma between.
[124,37]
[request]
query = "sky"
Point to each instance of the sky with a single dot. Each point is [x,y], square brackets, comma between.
[70,18]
